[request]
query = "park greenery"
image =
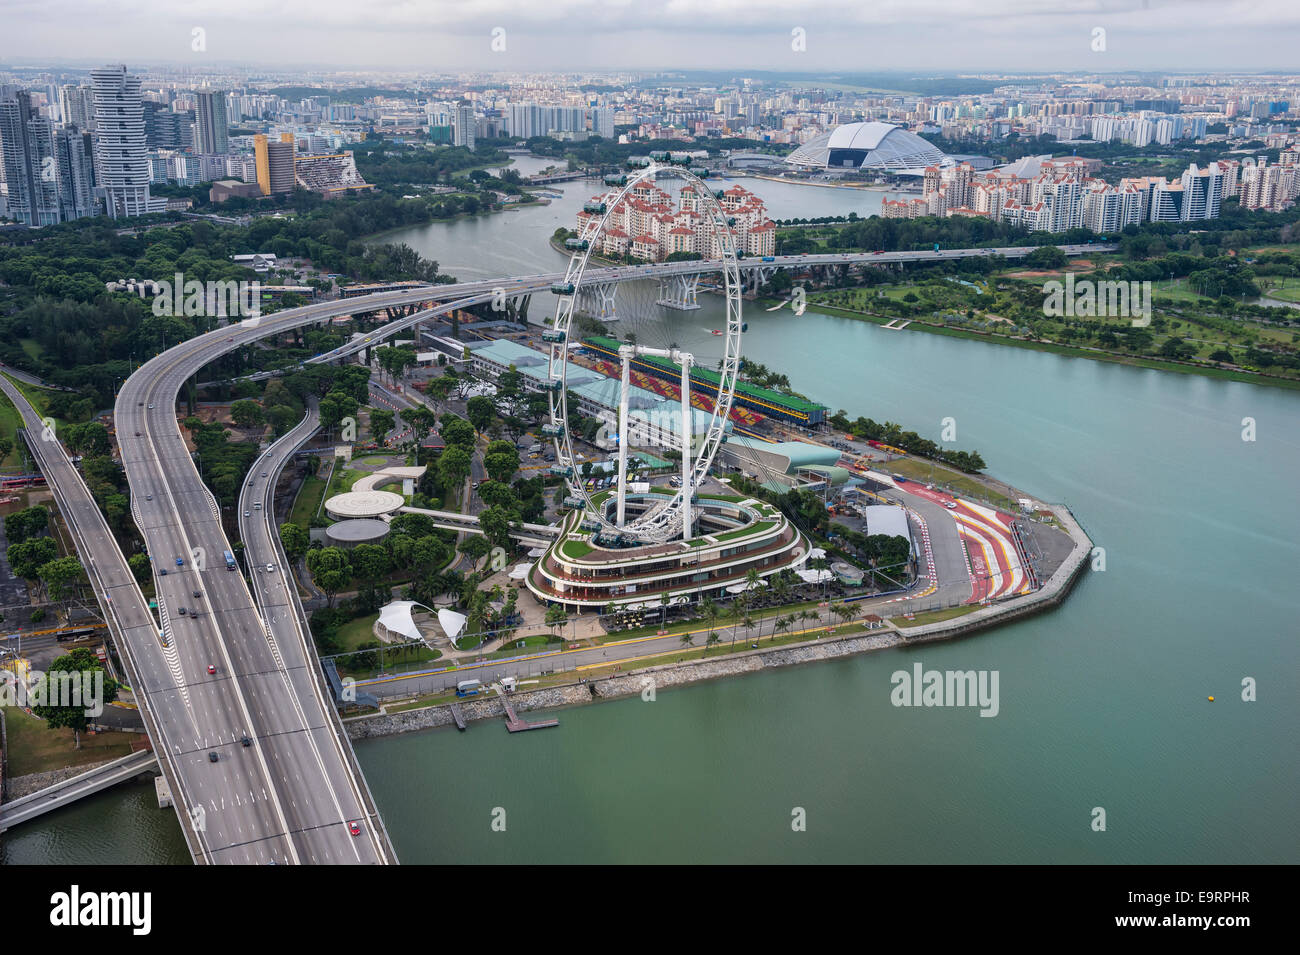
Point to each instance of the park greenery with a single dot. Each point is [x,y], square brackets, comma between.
[78,667]
[34,556]
[1203,315]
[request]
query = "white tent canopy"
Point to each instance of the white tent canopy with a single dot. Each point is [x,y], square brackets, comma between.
[520,571]
[814,576]
[452,623]
[396,618]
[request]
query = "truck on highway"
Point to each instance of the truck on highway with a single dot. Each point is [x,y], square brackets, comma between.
[230,561]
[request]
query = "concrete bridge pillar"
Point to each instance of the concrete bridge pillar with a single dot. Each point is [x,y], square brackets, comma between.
[599,300]
[679,292]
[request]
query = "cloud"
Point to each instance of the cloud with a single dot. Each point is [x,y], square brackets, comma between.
[434,35]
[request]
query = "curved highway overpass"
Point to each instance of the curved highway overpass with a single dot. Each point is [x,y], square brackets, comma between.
[464,294]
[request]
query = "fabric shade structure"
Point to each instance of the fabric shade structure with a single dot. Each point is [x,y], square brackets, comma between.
[452,623]
[814,576]
[396,618]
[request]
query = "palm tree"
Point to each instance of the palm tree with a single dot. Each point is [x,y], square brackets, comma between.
[688,639]
[663,602]
[737,613]
[845,612]
[850,611]
[809,615]
[781,586]
[820,564]
[782,624]
[709,611]
[752,583]
[712,639]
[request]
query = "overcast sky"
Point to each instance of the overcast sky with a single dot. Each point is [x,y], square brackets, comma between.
[867,35]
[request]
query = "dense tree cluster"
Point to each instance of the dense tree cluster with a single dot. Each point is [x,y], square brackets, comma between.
[893,435]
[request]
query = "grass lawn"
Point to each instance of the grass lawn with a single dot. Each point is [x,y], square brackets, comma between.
[35,748]
[39,398]
[755,528]
[921,471]
[724,647]
[576,550]
[701,625]
[934,616]
[1178,292]
[343,478]
[307,504]
[10,422]
[32,348]
[1287,291]
[533,644]
[419,659]
[361,630]
[356,632]
[693,652]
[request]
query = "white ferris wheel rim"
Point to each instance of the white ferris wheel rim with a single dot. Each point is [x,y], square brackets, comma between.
[657,524]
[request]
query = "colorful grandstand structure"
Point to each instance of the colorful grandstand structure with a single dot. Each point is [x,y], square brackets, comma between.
[762,401]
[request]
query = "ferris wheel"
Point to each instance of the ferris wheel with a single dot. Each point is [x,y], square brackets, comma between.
[629,302]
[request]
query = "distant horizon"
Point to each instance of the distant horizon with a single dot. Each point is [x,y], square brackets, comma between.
[1088,36]
[972,72]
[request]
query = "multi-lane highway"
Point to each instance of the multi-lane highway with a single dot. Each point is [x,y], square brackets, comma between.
[147,655]
[277,599]
[288,794]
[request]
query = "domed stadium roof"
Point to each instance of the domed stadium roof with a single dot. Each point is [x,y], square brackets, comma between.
[868,146]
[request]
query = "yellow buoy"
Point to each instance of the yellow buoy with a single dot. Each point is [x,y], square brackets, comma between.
[1211,699]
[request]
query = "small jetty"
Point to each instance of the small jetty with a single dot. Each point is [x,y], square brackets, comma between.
[515,725]
[458,716]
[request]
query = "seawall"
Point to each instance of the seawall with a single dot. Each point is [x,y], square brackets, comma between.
[1050,595]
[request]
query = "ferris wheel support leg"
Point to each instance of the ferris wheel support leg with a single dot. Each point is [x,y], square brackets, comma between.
[622,436]
[688,433]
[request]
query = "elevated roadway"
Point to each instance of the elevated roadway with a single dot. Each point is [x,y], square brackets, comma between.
[69,791]
[272,584]
[465,294]
[147,654]
[290,795]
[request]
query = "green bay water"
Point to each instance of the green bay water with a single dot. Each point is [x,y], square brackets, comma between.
[1102,703]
